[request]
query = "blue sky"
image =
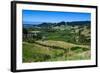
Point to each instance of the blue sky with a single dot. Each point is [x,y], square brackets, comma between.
[33,16]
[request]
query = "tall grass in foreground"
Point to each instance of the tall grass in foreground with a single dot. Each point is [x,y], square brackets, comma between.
[34,52]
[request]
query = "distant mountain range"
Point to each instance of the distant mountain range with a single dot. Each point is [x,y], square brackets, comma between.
[46,24]
[79,23]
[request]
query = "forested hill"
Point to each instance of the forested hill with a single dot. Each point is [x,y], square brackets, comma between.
[48,24]
[79,23]
[65,23]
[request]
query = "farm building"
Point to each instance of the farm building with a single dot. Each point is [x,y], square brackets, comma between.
[30,34]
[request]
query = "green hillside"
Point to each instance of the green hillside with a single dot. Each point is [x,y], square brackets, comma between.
[57,42]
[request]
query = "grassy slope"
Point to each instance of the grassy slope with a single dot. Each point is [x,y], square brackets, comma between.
[61,44]
[33,52]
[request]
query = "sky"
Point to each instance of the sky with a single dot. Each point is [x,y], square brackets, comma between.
[33,16]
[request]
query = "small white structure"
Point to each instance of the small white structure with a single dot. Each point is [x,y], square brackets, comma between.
[31,34]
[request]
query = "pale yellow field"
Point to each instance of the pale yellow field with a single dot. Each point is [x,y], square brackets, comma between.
[61,44]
